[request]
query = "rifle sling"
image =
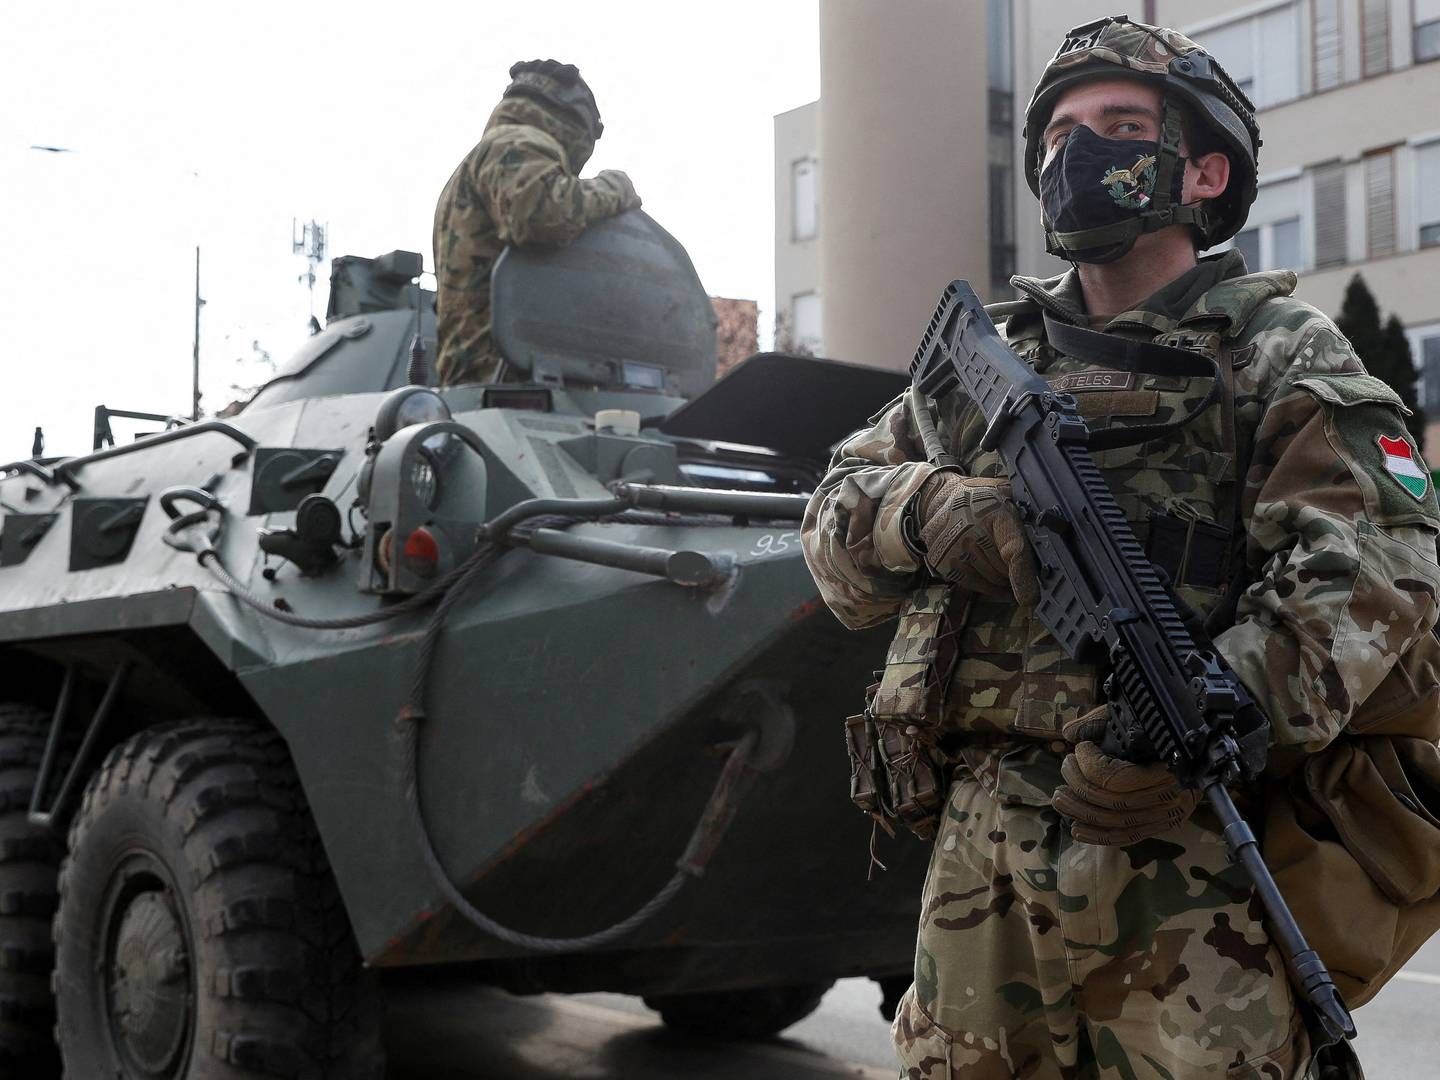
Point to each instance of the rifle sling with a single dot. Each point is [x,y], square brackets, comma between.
[1142,358]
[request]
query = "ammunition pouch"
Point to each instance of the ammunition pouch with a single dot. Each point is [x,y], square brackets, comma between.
[897,772]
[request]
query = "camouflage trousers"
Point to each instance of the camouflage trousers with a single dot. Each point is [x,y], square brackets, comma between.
[1044,958]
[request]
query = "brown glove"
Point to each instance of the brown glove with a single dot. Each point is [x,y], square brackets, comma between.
[1110,801]
[620,183]
[971,536]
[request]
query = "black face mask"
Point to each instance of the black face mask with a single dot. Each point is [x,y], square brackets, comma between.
[1100,184]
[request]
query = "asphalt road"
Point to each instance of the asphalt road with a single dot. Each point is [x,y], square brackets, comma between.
[481,1034]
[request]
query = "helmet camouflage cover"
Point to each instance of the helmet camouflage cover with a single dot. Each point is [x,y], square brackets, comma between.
[561,85]
[1116,46]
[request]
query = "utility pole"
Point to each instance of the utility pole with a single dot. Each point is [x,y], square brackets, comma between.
[309,240]
[195,355]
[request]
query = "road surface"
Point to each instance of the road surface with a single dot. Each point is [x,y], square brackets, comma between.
[481,1034]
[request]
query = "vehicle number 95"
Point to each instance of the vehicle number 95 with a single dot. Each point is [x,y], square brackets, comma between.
[776,543]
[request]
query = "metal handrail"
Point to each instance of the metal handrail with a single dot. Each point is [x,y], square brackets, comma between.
[65,470]
[34,468]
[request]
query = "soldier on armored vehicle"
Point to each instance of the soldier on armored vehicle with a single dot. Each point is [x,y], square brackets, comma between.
[520,185]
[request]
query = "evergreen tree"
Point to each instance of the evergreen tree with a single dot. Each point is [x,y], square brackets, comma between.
[1397,348]
[1385,351]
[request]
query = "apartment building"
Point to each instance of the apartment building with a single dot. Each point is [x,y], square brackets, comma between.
[1348,100]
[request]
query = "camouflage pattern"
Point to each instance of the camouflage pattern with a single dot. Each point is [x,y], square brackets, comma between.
[1341,557]
[1130,45]
[519,185]
[1343,577]
[1043,958]
[909,689]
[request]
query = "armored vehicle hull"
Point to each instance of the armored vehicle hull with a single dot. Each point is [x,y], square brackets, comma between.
[525,651]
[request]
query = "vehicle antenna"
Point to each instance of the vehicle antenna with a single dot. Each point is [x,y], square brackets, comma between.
[418,373]
[195,351]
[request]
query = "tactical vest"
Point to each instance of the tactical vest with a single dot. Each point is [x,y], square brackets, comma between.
[986,667]
[1008,675]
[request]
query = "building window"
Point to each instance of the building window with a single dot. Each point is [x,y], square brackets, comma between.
[1375,37]
[1427,184]
[1430,365]
[1330,248]
[1427,29]
[1261,53]
[1326,33]
[1380,203]
[1271,239]
[805,198]
[1425,351]
[805,321]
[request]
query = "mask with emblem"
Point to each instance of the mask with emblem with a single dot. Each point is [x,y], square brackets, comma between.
[1093,184]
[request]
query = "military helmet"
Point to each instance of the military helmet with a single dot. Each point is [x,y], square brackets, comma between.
[1184,72]
[561,85]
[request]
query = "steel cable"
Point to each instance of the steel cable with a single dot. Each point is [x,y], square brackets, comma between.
[719,809]
[713,821]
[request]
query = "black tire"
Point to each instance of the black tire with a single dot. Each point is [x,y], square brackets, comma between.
[29,867]
[200,934]
[732,1015]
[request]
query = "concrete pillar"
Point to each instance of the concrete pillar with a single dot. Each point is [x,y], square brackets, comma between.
[904,197]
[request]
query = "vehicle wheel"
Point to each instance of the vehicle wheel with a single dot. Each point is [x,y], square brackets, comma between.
[739,1014]
[200,935]
[29,865]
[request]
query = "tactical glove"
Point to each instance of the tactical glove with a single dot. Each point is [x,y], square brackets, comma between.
[621,185]
[970,535]
[1110,801]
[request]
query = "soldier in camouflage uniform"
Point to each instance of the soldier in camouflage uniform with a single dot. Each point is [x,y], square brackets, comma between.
[519,185]
[1081,917]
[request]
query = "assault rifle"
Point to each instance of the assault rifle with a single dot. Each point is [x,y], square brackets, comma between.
[1172,697]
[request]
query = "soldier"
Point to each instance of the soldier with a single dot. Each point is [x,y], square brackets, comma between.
[1080,916]
[519,185]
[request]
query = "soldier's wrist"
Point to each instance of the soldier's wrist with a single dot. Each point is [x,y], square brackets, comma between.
[910,527]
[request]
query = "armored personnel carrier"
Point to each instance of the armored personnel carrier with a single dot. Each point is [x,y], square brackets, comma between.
[525,682]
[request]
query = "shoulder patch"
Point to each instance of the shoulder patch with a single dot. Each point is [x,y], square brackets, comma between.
[1399,459]
[1365,427]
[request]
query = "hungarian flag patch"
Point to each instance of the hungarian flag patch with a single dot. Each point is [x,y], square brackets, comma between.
[1401,464]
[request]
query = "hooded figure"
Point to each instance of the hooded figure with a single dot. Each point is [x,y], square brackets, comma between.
[519,185]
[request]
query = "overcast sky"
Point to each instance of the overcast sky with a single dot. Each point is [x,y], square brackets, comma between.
[218,123]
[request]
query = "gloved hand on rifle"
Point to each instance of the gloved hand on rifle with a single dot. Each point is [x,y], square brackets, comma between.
[970,535]
[1111,801]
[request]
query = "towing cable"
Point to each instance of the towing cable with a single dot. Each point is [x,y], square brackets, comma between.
[196,532]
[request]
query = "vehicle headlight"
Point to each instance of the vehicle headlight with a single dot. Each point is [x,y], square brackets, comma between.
[425,477]
[411,405]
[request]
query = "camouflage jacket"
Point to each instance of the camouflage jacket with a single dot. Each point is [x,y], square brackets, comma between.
[517,186]
[1332,536]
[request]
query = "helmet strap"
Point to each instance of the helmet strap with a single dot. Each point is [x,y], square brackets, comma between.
[1169,158]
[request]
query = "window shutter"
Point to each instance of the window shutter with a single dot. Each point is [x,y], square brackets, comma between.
[1330,215]
[1327,44]
[1380,203]
[1376,47]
